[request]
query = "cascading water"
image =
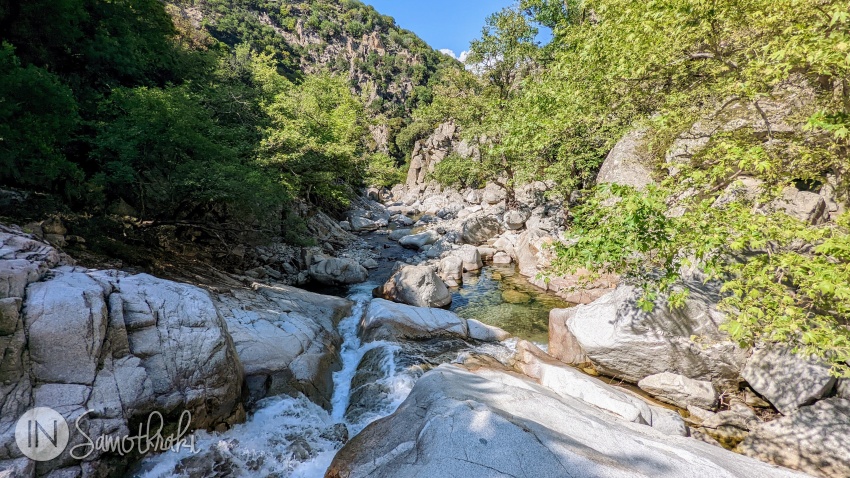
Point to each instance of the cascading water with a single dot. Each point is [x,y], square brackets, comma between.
[292,436]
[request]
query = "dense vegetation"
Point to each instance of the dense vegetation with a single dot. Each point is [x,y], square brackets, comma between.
[222,112]
[554,112]
[390,68]
[127,103]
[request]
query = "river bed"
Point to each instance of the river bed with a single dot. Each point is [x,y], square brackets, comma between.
[293,437]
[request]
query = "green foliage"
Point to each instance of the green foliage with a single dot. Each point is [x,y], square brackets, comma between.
[34,128]
[776,289]
[459,172]
[315,139]
[382,171]
[410,134]
[616,64]
[181,126]
[166,153]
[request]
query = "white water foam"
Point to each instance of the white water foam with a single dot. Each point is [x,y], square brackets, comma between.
[292,436]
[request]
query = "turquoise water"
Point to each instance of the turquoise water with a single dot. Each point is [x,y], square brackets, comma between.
[500,296]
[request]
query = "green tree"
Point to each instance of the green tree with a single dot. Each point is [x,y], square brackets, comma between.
[315,139]
[35,128]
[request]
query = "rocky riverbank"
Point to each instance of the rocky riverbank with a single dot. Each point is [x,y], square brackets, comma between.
[310,371]
[314,370]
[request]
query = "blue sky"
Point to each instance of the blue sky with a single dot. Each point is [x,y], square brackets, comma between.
[444,24]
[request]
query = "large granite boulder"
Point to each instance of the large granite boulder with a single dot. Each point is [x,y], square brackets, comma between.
[470,258]
[805,206]
[787,380]
[496,423]
[680,391]
[812,439]
[534,255]
[479,229]
[337,271]
[286,339]
[562,344]
[418,241]
[118,345]
[767,118]
[570,383]
[364,224]
[515,219]
[629,163]
[451,270]
[625,342]
[385,320]
[416,285]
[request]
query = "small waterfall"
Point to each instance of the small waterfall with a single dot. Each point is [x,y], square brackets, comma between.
[292,436]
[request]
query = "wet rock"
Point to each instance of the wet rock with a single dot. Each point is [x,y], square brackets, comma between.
[336,433]
[385,320]
[786,380]
[398,234]
[286,339]
[679,390]
[336,271]
[369,393]
[485,333]
[416,285]
[455,422]
[812,439]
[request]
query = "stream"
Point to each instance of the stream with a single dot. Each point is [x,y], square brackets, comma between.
[293,437]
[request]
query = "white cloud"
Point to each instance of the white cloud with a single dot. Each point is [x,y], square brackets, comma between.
[462,57]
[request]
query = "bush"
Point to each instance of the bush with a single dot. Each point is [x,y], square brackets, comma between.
[38,116]
[410,134]
[458,172]
[383,171]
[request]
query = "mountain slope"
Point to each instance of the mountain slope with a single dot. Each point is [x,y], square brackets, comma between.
[389,67]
